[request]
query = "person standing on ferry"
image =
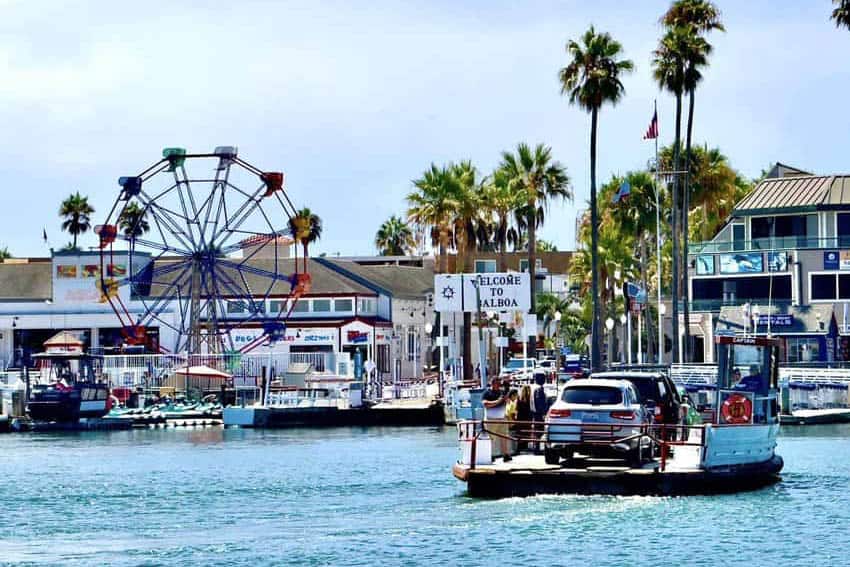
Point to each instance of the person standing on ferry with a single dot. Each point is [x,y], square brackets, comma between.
[494,401]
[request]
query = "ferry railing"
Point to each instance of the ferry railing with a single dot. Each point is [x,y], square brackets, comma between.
[662,437]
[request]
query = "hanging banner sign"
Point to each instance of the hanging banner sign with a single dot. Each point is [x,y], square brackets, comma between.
[830,260]
[510,291]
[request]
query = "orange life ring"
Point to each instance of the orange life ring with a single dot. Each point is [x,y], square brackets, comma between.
[737,409]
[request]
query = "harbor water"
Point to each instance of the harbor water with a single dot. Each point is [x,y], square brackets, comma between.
[354,496]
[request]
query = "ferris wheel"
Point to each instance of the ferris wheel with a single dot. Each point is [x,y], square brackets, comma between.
[205,237]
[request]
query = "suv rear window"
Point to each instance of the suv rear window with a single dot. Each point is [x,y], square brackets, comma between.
[593,395]
[647,388]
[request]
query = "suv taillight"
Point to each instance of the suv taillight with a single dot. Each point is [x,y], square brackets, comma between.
[623,414]
[560,413]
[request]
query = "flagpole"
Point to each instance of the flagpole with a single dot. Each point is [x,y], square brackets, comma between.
[658,242]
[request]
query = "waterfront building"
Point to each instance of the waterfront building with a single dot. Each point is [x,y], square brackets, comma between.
[40,297]
[780,265]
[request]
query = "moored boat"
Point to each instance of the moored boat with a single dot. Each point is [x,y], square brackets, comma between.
[68,389]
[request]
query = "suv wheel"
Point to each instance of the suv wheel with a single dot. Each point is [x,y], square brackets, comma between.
[551,456]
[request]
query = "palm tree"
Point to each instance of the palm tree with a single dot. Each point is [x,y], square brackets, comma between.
[841,13]
[432,204]
[546,246]
[468,217]
[591,79]
[76,210]
[468,213]
[694,17]
[4,253]
[133,220]
[634,216]
[501,198]
[540,180]
[547,308]
[306,228]
[394,237]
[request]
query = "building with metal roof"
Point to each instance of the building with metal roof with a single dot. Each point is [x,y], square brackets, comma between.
[784,258]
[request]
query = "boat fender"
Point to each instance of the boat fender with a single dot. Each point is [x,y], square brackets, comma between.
[737,409]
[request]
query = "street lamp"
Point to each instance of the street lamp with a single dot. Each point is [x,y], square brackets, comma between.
[609,324]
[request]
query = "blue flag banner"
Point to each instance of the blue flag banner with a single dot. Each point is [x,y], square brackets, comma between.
[622,192]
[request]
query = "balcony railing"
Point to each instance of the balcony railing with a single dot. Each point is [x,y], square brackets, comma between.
[777,243]
[714,305]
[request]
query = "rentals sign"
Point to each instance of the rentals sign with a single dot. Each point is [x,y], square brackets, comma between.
[510,291]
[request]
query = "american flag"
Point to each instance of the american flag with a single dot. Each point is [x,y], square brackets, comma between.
[652,131]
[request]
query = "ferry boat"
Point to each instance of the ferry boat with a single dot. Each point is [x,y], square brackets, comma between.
[733,449]
[67,390]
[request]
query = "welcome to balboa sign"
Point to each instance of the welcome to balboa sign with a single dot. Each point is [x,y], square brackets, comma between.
[510,291]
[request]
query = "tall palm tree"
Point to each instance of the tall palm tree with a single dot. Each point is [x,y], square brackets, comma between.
[468,212]
[76,210]
[591,79]
[133,220]
[841,13]
[696,17]
[306,228]
[468,216]
[4,253]
[394,237]
[540,180]
[432,204]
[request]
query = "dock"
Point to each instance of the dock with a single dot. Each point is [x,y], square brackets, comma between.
[528,475]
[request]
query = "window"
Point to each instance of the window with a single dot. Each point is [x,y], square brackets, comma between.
[523,265]
[383,358]
[235,307]
[739,234]
[485,266]
[277,305]
[803,349]
[411,344]
[259,306]
[822,287]
[343,305]
[301,306]
[592,395]
[843,229]
[366,306]
[321,306]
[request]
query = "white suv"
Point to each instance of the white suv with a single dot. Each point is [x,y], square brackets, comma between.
[584,403]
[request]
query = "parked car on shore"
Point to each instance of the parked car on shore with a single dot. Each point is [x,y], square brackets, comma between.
[519,369]
[613,405]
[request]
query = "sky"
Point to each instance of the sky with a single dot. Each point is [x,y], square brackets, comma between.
[353,100]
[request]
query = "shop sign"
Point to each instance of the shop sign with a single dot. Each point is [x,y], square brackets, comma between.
[776,320]
[830,260]
[844,260]
[505,291]
[357,337]
[741,263]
